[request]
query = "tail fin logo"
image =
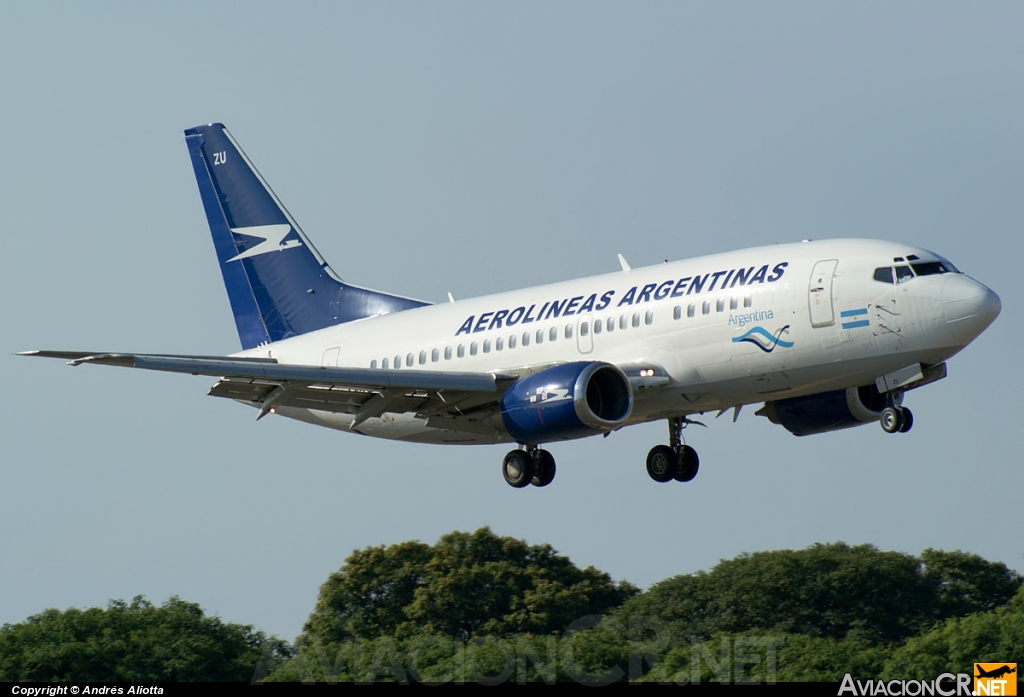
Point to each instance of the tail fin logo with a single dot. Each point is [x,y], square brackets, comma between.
[272,236]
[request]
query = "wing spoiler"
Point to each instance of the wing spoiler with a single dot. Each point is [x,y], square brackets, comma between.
[270,369]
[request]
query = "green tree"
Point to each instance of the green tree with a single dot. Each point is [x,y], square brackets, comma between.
[966,583]
[467,585]
[833,591]
[136,641]
[955,645]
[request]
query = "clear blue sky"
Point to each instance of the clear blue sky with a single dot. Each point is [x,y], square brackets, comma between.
[476,147]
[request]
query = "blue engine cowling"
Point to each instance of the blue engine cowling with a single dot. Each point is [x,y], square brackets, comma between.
[828,411]
[571,400]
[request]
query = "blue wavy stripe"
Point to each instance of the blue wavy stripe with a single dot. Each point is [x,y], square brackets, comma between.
[773,340]
[854,313]
[851,325]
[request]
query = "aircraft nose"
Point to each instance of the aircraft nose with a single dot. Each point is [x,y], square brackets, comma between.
[969,307]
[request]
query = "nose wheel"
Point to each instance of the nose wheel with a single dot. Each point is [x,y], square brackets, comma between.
[677,461]
[896,420]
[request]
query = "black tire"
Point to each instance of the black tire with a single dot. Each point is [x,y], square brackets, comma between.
[517,469]
[891,420]
[908,419]
[662,462]
[688,464]
[543,468]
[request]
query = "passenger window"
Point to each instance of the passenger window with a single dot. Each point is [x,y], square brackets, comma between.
[636,319]
[748,300]
[384,364]
[649,317]
[677,312]
[512,341]
[373,364]
[597,326]
[447,353]
[423,356]
[499,343]
[622,321]
[540,336]
[584,329]
[398,362]
[409,359]
[552,333]
[434,355]
[690,309]
[884,274]
[526,338]
[610,324]
[733,303]
[461,350]
[706,308]
[472,348]
[903,273]
[720,305]
[568,331]
[487,345]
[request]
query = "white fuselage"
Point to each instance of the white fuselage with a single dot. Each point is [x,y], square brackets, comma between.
[709,333]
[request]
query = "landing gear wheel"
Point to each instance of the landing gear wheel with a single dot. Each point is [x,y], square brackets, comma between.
[908,419]
[517,469]
[662,462]
[543,468]
[892,420]
[687,464]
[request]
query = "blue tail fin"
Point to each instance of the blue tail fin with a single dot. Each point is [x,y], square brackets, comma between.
[278,284]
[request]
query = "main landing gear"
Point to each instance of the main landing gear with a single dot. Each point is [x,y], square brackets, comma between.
[531,466]
[677,460]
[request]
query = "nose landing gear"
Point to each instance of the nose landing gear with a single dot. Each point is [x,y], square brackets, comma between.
[896,420]
[677,460]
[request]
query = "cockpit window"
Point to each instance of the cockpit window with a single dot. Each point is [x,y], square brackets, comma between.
[884,274]
[930,268]
[903,273]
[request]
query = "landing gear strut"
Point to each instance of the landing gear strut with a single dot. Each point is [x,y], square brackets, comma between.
[677,460]
[531,466]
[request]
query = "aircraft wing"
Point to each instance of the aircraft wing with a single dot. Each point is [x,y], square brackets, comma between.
[452,400]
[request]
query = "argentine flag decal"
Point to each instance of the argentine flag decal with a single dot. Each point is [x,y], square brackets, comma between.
[852,318]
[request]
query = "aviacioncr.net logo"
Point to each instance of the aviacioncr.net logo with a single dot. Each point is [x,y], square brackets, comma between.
[946,685]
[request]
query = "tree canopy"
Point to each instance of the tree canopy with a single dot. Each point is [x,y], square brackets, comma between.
[137,642]
[466,585]
[830,591]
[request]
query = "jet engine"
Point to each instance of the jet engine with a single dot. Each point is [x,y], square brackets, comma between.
[827,411]
[566,401]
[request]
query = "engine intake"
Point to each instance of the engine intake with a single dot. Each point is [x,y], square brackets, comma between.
[566,401]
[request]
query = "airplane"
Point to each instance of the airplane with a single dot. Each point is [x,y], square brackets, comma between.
[994,673]
[827,334]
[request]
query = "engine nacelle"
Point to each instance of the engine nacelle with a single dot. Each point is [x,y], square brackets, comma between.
[828,411]
[567,401]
